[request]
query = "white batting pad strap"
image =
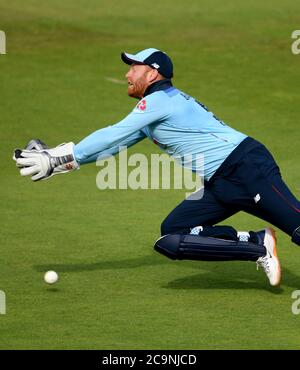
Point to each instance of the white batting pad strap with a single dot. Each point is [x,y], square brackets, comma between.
[196,230]
[243,236]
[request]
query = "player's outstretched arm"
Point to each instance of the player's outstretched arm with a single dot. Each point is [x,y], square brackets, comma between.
[41,162]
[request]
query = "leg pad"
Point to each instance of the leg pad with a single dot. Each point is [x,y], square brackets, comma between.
[195,247]
[296,236]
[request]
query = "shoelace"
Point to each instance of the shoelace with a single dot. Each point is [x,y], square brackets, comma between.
[263,262]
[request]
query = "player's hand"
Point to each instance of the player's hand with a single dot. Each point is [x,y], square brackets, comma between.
[45,163]
[32,144]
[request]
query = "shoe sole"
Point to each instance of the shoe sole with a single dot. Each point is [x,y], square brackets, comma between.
[274,253]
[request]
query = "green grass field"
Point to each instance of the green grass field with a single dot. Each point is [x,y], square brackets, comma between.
[114,291]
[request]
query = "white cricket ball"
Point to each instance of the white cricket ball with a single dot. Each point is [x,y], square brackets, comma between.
[50,277]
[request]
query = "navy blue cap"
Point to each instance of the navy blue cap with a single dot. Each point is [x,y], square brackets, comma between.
[154,58]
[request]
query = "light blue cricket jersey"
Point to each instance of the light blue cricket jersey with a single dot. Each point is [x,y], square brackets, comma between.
[176,122]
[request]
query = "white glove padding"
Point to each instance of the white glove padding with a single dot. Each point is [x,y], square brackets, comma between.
[36,144]
[43,164]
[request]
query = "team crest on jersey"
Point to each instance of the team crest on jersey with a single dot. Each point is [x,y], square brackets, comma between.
[142,105]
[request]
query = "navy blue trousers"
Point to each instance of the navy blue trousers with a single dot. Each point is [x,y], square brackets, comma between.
[249,180]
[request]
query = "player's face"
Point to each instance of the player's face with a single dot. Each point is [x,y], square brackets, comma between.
[139,78]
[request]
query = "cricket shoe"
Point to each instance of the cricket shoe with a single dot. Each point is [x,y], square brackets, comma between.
[269,262]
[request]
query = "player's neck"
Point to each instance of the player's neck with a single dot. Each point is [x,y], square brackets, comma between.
[157,86]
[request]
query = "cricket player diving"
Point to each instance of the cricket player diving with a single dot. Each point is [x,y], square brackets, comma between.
[239,174]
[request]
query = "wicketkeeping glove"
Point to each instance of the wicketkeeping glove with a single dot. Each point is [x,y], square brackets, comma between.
[32,144]
[41,164]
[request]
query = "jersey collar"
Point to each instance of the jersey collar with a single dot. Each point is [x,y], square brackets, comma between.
[157,86]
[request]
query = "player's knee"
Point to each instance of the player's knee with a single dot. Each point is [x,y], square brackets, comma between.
[168,245]
[166,227]
[296,236]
